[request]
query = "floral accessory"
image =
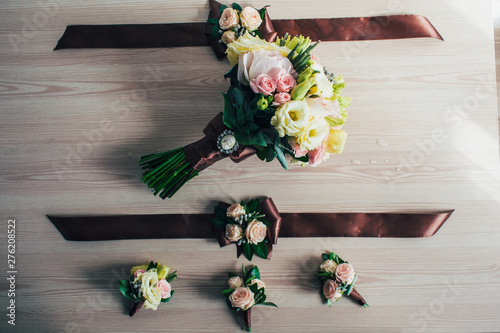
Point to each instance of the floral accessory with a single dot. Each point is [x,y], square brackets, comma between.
[149,285]
[281,101]
[245,292]
[338,277]
[244,225]
[234,21]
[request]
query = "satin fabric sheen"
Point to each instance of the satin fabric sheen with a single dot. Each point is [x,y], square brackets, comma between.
[95,228]
[198,33]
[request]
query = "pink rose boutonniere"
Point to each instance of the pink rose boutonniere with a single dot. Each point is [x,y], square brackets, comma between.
[338,278]
[148,286]
[245,292]
[243,224]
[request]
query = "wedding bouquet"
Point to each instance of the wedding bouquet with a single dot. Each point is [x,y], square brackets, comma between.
[281,101]
[149,285]
[246,292]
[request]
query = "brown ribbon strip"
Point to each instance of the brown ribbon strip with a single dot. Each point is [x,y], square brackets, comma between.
[203,153]
[198,34]
[95,228]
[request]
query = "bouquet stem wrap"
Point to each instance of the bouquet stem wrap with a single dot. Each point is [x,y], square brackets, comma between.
[167,172]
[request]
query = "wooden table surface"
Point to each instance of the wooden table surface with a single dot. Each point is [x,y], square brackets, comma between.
[423,136]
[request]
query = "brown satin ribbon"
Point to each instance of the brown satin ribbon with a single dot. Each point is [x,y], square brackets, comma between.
[203,153]
[198,34]
[95,228]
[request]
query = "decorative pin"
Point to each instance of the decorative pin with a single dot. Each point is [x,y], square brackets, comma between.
[226,142]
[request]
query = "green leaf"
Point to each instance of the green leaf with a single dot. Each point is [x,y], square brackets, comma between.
[227,292]
[151,266]
[214,33]
[254,206]
[325,256]
[271,154]
[125,288]
[260,250]
[262,13]
[262,154]
[231,274]
[252,287]
[248,251]
[172,276]
[232,74]
[332,256]
[329,302]
[334,122]
[281,157]
[166,300]
[219,223]
[229,305]
[221,9]
[255,272]
[220,212]
[229,115]
[269,304]
[236,6]
[213,21]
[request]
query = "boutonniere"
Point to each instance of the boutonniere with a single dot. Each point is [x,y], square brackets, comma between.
[338,277]
[245,292]
[234,21]
[246,226]
[149,285]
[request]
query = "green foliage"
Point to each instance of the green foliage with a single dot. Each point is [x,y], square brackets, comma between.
[125,288]
[236,6]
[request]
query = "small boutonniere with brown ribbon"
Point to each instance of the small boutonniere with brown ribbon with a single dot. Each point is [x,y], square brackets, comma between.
[245,225]
[149,285]
[338,277]
[245,292]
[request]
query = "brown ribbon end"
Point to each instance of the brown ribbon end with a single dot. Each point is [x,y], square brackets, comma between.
[135,308]
[356,297]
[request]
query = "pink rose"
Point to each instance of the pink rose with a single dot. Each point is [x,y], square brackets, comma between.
[315,59]
[250,18]
[285,82]
[139,271]
[281,98]
[272,63]
[243,298]
[330,290]
[345,273]
[263,84]
[235,210]
[297,149]
[321,108]
[316,156]
[229,19]
[165,288]
[256,232]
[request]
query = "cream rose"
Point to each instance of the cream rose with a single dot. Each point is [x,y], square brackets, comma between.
[250,18]
[233,232]
[313,134]
[235,210]
[150,292]
[235,282]
[228,37]
[260,284]
[345,273]
[290,118]
[328,266]
[256,232]
[229,19]
[330,290]
[243,298]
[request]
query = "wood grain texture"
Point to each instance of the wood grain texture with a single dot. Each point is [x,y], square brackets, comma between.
[74,123]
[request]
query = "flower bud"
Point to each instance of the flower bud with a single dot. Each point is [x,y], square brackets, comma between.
[300,90]
[262,104]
